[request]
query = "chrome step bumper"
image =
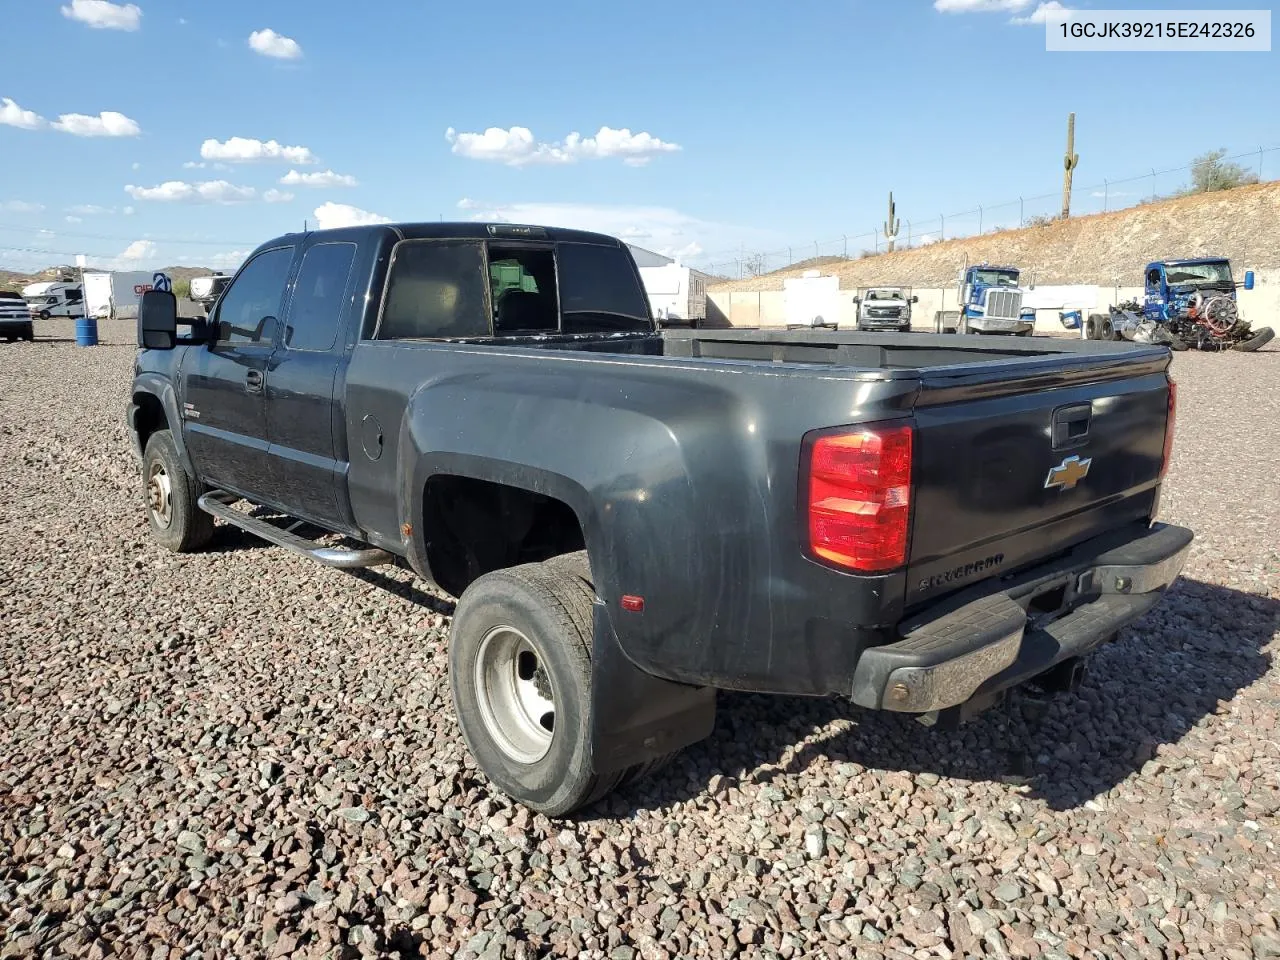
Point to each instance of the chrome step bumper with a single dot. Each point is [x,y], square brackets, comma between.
[219,504]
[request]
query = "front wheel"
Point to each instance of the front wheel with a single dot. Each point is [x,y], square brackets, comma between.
[44,314]
[520,674]
[171,494]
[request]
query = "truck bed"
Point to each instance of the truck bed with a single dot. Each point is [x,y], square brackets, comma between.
[682,455]
[861,352]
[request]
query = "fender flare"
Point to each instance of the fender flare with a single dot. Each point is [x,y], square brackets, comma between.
[160,387]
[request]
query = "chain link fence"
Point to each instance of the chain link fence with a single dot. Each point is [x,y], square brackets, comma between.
[985,218]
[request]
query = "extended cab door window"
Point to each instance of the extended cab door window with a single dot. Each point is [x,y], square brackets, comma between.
[307,457]
[436,289]
[318,296]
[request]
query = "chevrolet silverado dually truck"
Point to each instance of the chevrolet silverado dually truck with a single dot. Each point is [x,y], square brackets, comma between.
[632,519]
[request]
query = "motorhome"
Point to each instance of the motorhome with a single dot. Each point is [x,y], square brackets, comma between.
[54,298]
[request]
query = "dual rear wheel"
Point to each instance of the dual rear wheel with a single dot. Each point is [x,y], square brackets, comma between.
[520,673]
[520,654]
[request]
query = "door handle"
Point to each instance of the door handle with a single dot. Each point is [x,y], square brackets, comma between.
[253,381]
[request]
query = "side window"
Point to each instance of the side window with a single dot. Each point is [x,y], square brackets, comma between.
[318,296]
[522,289]
[73,295]
[1153,278]
[250,308]
[435,289]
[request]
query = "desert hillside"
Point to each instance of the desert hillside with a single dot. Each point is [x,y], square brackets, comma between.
[1104,248]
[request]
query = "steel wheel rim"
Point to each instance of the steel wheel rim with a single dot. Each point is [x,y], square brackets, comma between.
[513,689]
[160,495]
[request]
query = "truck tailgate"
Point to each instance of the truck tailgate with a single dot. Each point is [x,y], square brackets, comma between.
[1010,471]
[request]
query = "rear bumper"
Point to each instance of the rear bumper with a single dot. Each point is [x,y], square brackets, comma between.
[982,643]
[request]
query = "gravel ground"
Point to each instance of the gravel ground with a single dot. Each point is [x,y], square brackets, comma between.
[242,754]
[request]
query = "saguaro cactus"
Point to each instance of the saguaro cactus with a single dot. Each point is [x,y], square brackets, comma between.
[1069,160]
[892,224]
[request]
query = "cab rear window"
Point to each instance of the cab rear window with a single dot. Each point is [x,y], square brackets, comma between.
[470,289]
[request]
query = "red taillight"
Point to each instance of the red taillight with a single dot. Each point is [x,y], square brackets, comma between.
[1168,428]
[860,498]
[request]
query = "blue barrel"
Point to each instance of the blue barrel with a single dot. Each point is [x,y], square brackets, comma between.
[86,331]
[1071,319]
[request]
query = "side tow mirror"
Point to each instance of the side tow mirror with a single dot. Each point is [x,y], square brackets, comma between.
[158,320]
[915,299]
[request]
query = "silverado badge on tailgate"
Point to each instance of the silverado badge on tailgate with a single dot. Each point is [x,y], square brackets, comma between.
[1068,473]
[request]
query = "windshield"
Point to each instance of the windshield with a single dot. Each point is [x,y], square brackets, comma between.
[1195,273]
[995,278]
[884,295]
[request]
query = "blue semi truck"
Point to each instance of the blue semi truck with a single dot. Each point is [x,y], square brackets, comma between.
[990,300]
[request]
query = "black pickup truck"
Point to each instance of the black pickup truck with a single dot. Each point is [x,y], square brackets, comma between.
[632,518]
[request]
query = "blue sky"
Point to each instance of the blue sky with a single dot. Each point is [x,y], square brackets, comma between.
[699,128]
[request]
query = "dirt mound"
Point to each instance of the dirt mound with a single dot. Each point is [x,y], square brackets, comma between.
[1103,248]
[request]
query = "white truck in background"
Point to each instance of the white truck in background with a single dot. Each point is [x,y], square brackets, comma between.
[885,308]
[116,295]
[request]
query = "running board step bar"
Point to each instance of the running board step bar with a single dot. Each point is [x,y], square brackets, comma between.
[219,503]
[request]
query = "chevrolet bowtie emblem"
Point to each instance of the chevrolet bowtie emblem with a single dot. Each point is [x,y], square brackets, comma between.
[1067,474]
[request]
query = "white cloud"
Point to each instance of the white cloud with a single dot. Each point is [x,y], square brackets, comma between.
[981,6]
[517,146]
[12,115]
[194,165]
[331,215]
[139,250]
[182,21]
[245,150]
[137,165]
[210,191]
[105,16]
[277,196]
[326,179]
[106,124]
[127,211]
[1041,13]
[90,209]
[228,260]
[21,206]
[272,44]
[687,252]
[74,219]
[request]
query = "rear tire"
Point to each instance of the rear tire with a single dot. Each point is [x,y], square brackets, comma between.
[29,333]
[44,314]
[521,678]
[1260,339]
[171,494]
